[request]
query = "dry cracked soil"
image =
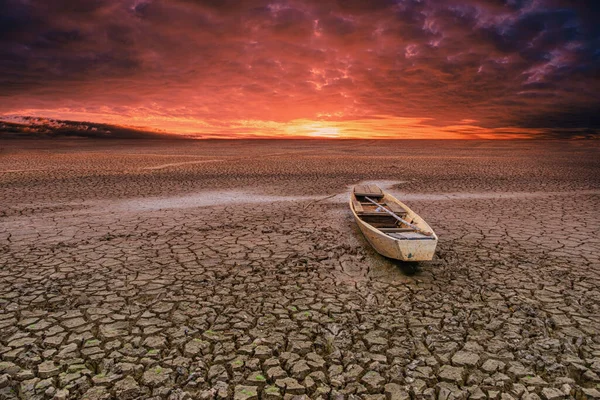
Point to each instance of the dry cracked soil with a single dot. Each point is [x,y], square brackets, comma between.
[233,269]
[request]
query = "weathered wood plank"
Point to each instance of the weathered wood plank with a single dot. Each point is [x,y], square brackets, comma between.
[357,206]
[359,189]
[368,190]
[395,208]
[374,189]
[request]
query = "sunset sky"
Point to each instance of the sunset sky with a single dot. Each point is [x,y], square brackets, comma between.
[346,68]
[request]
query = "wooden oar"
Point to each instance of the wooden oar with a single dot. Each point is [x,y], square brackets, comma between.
[411,226]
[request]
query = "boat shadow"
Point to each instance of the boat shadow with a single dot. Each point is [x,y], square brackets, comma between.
[389,268]
[407,268]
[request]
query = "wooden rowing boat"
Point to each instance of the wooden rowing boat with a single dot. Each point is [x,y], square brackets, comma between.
[393,229]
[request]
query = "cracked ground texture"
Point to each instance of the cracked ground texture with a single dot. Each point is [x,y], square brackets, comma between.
[213,270]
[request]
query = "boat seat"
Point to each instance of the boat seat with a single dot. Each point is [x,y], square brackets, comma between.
[411,236]
[357,206]
[396,230]
[378,214]
[372,191]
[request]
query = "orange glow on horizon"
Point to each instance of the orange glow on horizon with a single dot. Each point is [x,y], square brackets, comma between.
[378,127]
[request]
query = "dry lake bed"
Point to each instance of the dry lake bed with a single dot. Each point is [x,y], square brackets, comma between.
[222,269]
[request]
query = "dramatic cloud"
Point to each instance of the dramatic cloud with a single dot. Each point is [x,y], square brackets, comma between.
[38,127]
[335,68]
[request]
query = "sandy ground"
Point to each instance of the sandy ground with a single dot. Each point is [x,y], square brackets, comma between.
[221,269]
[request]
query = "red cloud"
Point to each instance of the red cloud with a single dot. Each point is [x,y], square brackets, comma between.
[204,66]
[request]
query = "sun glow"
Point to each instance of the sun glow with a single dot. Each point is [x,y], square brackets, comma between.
[376,127]
[326,132]
[316,129]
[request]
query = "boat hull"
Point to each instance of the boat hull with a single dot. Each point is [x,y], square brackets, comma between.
[399,249]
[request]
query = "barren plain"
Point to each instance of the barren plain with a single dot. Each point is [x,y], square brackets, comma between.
[233,269]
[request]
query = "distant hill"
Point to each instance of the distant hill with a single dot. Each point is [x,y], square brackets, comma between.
[39,128]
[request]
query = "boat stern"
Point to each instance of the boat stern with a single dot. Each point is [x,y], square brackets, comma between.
[416,250]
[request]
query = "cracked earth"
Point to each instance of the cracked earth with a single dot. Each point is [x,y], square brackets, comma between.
[216,270]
